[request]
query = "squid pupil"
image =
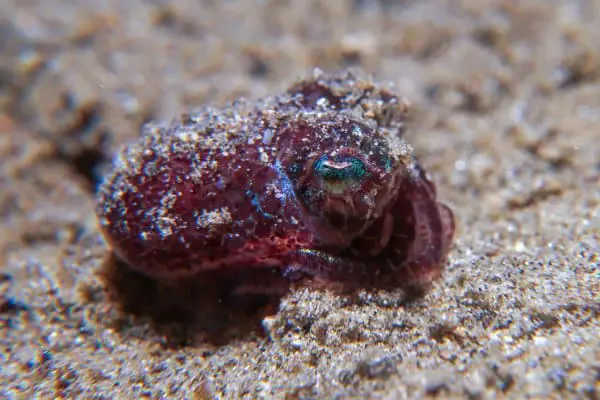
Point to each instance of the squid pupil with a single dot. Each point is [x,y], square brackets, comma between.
[340,168]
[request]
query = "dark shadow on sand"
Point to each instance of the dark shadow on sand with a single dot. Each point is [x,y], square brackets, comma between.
[191,312]
[211,309]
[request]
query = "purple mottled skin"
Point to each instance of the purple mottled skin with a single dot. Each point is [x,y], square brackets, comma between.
[313,186]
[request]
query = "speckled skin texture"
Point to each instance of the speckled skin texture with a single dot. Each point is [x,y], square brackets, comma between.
[317,183]
[504,116]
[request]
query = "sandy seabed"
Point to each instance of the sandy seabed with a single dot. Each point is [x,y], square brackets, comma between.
[506,117]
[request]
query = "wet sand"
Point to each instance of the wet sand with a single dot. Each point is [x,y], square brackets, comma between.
[505,116]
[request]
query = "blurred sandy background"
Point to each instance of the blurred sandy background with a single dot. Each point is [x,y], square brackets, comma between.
[506,117]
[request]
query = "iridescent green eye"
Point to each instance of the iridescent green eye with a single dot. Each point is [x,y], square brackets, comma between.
[341,170]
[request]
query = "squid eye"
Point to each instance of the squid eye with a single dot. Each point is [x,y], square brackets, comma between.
[340,170]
